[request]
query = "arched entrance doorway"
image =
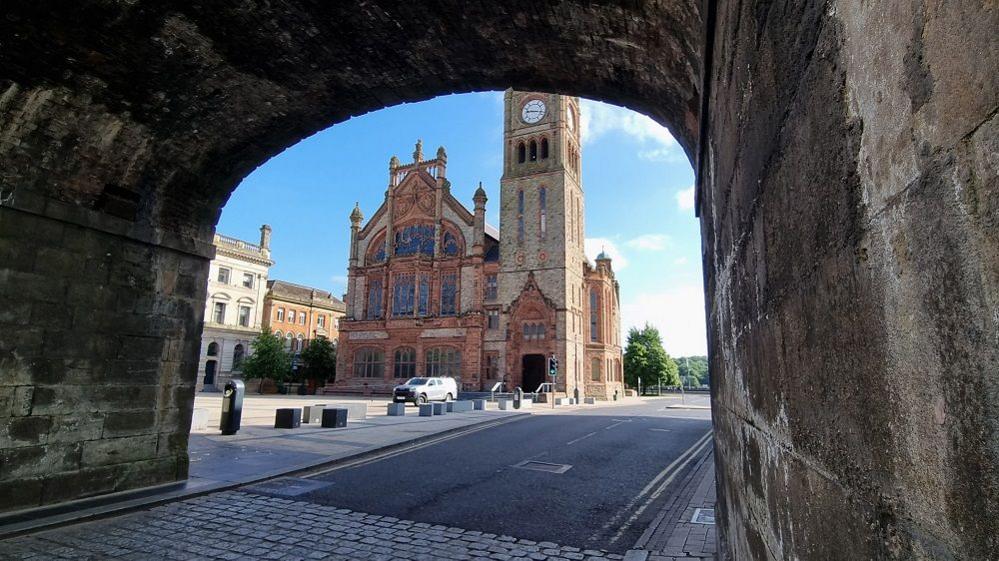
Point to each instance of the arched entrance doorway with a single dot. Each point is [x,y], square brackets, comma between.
[210,368]
[532,371]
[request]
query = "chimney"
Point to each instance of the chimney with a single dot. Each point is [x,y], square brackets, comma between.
[265,236]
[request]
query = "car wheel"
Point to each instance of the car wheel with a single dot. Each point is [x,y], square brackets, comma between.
[448,397]
[421,400]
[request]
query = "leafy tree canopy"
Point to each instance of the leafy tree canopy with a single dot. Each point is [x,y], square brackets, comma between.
[269,358]
[319,360]
[646,359]
[694,369]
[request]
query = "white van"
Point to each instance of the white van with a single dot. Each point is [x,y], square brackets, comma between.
[424,389]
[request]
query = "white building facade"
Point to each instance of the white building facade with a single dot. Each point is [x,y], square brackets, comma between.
[234,308]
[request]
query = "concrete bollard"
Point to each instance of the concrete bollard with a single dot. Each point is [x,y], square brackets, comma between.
[561,401]
[288,418]
[505,404]
[479,404]
[590,400]
[199,419]
[313,413]
[426,409]
[461,406]
[334,417]
[397,409]
[449,406]
[527,404]
[439,408]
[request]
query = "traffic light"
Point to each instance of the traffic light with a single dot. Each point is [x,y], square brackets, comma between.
[553,366]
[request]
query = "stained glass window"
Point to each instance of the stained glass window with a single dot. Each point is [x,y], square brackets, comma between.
[374,299]
[451,246]
[369,363]
[403,295]
[404,365]
[594,305]
[416,239]
[424,305]
[491,287]
[444,361]
[379,256]
[449,293]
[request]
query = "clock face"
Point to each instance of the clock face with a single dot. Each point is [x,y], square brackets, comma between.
[533,111]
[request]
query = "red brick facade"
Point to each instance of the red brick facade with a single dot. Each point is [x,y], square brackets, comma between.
[433,290]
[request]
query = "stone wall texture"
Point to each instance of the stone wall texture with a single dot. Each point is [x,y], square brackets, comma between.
[850,212]
[847,191]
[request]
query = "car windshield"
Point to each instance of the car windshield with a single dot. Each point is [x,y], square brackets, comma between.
[416,381]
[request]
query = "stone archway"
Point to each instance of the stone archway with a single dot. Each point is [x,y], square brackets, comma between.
[846,172]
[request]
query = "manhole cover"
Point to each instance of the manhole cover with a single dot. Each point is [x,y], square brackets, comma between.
[543,466]
[287,486]
[703,516]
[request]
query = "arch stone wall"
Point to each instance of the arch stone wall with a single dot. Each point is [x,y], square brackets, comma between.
[847,194]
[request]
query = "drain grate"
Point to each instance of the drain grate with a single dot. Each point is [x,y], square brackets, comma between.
[543,466]
[287,486]
[703,516]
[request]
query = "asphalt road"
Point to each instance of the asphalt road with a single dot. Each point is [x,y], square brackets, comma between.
[626,463]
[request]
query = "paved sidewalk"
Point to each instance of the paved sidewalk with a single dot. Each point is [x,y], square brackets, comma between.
[674,535]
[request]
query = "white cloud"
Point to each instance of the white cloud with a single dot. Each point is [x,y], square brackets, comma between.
[598,119]
[649,242]
[685,198]
[593,247]
[680,261]
[677,312]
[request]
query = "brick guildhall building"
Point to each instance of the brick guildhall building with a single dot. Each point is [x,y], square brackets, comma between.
[433,290]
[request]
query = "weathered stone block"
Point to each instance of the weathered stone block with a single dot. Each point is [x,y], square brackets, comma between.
[31,461]
[126,423]
[288,418]
[313,414]
[479,404]
[397,409]
[79,484]
[426,409]
[334,417]
[439,408]
[462,406]
[505,404]
[109,451]
[589,401]
[22,493]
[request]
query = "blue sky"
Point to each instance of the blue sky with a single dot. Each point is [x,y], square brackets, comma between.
[637,182]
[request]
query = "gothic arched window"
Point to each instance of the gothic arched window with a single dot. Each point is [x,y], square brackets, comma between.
[369,363]
[444,361]
[213,349]
[521,153]
[544,148]
[415,239]
[594,316]
[451,246]
[404,363]
[534,151]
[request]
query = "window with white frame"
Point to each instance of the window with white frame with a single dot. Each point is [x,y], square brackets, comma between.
[492,317]
[244,316]
[219,314]
[321,321]
[280,314]
[224,274]
[248,280]
[291,316]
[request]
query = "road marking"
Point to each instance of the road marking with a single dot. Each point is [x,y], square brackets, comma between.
[662,430]
[648,488]
[571,442]
[408,449]
[659,491]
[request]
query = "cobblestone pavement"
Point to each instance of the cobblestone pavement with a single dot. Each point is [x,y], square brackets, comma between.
[673,536]
[237,525]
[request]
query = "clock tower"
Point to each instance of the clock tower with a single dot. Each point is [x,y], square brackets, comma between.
[541,282]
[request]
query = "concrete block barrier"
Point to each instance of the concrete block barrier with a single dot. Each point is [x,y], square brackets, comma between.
[449,406]
[505,404]
[355,411]
[561,401]
[590,400]
[199,419]
[526,403]
[334,417]
[426,409]
[439,408]
[479,404]
[461,406]
[313,413]
[397,409]
[288,418]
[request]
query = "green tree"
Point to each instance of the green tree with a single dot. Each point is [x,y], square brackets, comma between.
[645,358]
[269,359]
[694,369]
[318,361]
